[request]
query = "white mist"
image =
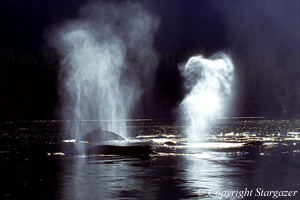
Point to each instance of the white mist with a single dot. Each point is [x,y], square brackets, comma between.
[209,84]
[107,63]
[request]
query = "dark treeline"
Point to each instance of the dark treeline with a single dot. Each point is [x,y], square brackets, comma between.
[28,70]
[29,87]
[267,74]
[28,83]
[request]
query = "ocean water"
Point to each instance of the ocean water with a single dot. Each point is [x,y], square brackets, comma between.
[240,158]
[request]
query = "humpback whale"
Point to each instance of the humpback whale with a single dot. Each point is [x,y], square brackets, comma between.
[135,150]
[99,135]
[95,144]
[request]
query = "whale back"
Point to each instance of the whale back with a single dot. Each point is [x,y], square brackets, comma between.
[99,135]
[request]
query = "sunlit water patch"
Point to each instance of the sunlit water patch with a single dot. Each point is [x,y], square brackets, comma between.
[237,154]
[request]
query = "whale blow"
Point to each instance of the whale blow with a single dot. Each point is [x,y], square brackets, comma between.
[209,89]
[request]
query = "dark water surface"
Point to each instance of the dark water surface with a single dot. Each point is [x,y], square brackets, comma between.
[238,159]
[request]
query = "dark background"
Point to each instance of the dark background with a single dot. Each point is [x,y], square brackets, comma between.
[262,37]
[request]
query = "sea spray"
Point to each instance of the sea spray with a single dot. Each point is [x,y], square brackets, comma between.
[107,63]
[209,89]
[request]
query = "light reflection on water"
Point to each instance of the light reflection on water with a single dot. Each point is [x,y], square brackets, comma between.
[102,178]
[180,173]
[179,170]
[164,175]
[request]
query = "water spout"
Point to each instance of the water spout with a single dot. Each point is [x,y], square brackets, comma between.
[209,89]
[107,63]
